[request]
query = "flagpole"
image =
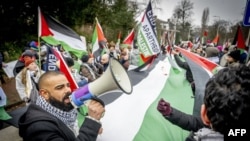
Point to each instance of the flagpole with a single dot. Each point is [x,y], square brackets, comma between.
[38,39]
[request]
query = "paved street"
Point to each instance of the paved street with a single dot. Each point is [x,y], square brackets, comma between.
[10,133]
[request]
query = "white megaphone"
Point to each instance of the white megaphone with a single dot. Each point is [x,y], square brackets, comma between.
[113,78]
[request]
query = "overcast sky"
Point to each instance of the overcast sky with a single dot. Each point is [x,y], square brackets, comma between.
[231,10]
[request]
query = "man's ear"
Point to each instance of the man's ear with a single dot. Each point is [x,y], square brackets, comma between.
[204,117]
[44,93]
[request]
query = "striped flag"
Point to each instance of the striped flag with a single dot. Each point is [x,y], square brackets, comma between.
[129,40]
[216,39]
[240,40]
[117,45]
[135,117]
[144,63]
[202,69]
[146,36]
[98,37]
[65,69]
[55,33]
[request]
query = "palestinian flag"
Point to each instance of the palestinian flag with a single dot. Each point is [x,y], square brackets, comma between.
[241,45]
[172,62]
[65,69]
[240,39]
[135,117]
[117,45]
[98,37]
[129,40]
[144,63]
[202,69]
[216,39]
[146,36]
[55,33]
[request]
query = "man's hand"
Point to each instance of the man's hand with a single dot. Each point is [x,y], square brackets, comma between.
[164,107]
[96,109]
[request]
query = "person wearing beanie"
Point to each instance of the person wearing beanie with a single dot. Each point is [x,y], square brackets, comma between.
[233,58]
[26,55]
[26,81]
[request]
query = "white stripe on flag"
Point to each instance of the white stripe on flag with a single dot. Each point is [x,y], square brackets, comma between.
[124,116]
[72,42]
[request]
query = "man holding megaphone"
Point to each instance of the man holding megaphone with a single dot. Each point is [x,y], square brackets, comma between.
[53,117]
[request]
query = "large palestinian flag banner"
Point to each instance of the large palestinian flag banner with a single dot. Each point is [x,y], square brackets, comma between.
[134,117]
[202,70]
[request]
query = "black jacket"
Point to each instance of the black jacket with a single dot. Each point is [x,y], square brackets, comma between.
[185,121]
[184,65]
[38,125]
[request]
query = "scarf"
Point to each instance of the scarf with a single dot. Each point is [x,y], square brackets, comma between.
[69,118]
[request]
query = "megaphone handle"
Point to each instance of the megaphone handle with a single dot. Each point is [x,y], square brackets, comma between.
[98,100]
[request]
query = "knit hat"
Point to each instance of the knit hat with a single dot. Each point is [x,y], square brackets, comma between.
[33,45]
[235,55]
[85,58]
[28,62]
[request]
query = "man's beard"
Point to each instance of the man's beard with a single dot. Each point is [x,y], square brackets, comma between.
[60,104]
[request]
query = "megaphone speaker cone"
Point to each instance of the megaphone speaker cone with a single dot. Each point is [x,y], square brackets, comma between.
[115,77]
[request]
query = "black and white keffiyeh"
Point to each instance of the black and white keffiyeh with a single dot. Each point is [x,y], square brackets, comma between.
[69,118]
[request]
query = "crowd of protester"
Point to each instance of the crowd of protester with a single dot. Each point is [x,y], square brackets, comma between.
[47,93]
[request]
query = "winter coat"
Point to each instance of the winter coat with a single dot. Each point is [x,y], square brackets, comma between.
[38,125]
[90,71]
[185,121]
[28,91]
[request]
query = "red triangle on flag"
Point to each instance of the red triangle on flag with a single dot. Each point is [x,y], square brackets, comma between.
[64,69]
[216,39]
[209,65]
[240,40]
[130,38]
[43,26]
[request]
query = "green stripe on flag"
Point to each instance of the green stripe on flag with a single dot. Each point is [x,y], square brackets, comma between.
[77,53]
[155,127]
[52,41]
